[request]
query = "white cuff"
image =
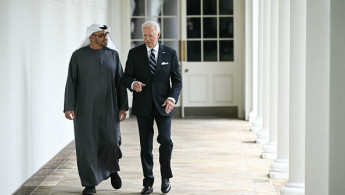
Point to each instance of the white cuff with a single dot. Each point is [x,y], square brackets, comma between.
[132,85]
[172,99]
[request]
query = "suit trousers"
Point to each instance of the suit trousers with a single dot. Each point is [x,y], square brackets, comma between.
[145,124]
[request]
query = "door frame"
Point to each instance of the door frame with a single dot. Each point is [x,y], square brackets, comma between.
[239,52]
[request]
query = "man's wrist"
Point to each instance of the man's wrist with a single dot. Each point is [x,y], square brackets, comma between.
[172,99]
[132,84]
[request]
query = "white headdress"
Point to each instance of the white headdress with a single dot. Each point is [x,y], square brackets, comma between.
[95,28]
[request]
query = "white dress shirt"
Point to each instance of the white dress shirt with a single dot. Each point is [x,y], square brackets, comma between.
[156,49]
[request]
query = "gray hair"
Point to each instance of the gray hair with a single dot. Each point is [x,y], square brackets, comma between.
[152,23]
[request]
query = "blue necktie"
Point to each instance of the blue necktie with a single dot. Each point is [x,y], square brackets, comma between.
[153,65]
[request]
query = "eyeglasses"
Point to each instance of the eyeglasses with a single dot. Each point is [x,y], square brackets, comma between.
[103,35]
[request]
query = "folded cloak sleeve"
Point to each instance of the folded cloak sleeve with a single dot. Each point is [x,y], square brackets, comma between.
[71,85]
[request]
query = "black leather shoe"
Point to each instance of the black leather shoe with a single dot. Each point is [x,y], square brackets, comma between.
[116,180]
[89,190]
[147,190]
[165,185]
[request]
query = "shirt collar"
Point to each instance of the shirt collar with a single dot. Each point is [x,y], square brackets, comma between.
[156,48]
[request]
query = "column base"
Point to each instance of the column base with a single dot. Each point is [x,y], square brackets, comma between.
[261,141]
[256,125]
[252,117]
[269,151]
[255,129]
[262,136]
[278,175]
[293,189]
[279,169]
[268,156]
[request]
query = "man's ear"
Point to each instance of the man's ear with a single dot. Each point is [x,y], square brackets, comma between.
[159,34]
[91,38]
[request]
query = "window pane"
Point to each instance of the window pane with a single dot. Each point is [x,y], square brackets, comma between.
[170,7]
[210,7]
[226,27]
[193,7]
[136,31]
[153,7]
[172,44]
[194,51]
[193,28]
[136,43]
[225,7]
[170,30]
[210,27]
[156,19]
[210,50]
[138,7]
[226,50]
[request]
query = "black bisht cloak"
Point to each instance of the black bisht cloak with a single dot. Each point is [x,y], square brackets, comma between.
[94,92]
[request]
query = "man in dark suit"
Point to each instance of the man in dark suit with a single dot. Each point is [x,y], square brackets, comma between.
[152,73]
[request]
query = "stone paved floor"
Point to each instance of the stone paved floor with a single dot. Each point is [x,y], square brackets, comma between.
[210,156]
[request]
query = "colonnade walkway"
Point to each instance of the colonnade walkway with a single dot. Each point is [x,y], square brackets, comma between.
[210,156]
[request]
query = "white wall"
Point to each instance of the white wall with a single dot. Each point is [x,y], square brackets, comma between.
[37,40]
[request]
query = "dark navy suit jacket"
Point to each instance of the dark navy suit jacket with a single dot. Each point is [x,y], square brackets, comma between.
[158,87]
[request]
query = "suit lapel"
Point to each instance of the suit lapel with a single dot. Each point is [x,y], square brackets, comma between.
[161,57]
[146,61]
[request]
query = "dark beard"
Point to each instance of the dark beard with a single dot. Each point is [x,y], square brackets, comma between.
[104,43]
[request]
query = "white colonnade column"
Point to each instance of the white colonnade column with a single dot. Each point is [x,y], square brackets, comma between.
[255,30]
[249,59]
[270,149]
[295,185]
[258,83]
[262,135]
[280,167]
[337,96]
[318,98]
[254,9]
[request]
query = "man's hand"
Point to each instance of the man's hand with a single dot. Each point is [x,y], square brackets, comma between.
[169,106]
[138,86]
[122,115]
[69,115]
